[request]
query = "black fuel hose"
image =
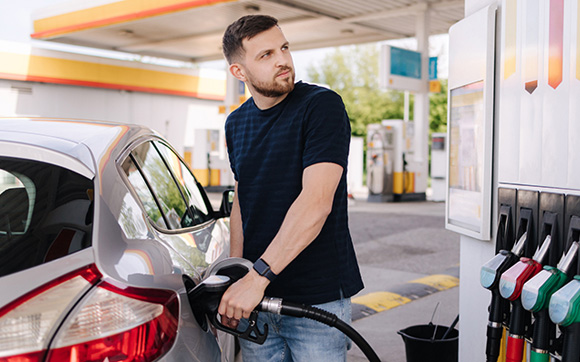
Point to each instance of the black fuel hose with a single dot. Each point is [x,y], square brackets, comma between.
[281,307]
[571,350]
[544,331]
[494,326]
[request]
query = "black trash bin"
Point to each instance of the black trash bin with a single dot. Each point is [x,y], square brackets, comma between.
[425,344]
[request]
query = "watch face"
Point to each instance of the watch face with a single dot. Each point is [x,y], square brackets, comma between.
[261,266]
[263,269]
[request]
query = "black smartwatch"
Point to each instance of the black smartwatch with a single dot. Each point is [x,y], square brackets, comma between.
[263,269]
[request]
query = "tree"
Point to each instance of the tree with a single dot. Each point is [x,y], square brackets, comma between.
[353,73]
[438,109]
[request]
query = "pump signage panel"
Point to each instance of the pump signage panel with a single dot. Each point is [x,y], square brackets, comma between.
[401,69]
[405,63]
[470,125]
[432,68]
[466,156]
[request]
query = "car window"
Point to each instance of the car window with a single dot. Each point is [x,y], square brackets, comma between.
[143,192]
[15,202]
[194,195]
[46,212]
[169,196]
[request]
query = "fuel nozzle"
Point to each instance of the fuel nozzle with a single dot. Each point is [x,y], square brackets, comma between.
[490,275]
[510,287]
[492,270]
[535,297]
[537,291]
[564,309]
[512,281]
[207,295]
[565,303]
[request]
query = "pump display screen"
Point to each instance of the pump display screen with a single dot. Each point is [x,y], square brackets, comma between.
[466,156]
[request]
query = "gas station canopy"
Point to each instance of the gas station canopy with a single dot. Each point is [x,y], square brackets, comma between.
[191,30]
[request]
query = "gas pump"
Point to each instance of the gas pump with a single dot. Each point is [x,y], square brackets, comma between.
[380,158]
[438,166]
[392,172]
[507,73]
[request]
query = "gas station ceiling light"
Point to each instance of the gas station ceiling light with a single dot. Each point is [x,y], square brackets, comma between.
[252,8]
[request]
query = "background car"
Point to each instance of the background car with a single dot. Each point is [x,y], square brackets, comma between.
[101,227]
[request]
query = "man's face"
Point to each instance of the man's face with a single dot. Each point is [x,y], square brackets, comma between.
[268,64]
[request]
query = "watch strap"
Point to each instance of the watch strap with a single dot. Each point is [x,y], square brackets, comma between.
[263,269]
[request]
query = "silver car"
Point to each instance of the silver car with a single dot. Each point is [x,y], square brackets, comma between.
[103,228]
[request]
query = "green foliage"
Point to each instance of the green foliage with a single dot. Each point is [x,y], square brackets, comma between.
[353,72]
[438,109]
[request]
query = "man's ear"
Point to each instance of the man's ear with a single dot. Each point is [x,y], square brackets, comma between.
[238,72]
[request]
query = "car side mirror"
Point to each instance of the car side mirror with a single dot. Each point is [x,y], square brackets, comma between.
[227,202]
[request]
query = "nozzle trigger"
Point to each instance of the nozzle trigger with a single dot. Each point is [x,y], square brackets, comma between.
[252,333]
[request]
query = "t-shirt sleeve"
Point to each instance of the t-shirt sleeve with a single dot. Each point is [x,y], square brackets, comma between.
[230,146]
[327,131]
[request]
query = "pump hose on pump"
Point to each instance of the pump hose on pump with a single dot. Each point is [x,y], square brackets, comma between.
[281,307]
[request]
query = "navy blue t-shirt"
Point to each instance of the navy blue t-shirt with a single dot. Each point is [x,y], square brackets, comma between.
[268,151]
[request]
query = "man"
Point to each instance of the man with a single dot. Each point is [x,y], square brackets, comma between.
[288,148]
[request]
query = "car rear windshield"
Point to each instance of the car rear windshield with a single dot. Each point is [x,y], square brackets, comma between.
[46,212]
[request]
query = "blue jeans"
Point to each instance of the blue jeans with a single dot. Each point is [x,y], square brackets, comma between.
[292,339]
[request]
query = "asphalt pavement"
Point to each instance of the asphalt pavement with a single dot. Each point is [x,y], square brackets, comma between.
[398,243]
[409,263]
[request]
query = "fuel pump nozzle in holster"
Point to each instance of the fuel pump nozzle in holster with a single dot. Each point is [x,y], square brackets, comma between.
[511,285]
[564,304]
[490,276]
[535,297]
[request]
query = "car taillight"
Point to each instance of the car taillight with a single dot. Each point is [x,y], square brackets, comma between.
[118,323]
[28,323]
[114,323]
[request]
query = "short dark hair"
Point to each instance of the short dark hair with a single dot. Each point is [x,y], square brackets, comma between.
[245,27]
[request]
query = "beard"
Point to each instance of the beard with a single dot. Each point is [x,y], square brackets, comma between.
[276,88]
